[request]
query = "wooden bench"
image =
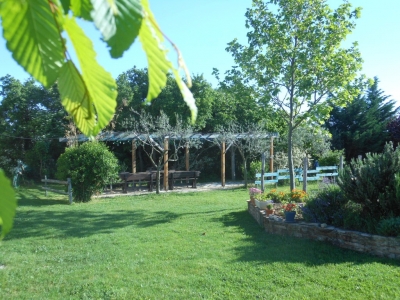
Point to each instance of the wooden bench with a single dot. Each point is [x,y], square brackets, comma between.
[184,177]
[148,178]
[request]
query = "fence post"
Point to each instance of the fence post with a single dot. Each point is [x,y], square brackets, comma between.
[262,170]
[45,185]
[69,190]
[305,168]
[341,163]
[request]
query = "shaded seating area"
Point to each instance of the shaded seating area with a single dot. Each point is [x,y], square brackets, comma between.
[183,178]
[149,179]
[137,180]
[160,143]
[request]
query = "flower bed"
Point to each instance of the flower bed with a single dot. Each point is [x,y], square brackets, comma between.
[354,240]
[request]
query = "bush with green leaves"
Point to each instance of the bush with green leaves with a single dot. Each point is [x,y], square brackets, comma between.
[255,167]
[331,158]
[90,166]
[389,227]
[326,206]
[373,182]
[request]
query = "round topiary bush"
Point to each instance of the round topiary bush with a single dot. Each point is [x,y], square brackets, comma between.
[90,166]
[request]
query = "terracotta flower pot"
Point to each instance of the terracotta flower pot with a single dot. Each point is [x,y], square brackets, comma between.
[269,212]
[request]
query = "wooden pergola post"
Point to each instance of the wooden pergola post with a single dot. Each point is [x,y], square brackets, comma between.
[271,155]
[166,164]
[223,164]
[187,156]
[133,156]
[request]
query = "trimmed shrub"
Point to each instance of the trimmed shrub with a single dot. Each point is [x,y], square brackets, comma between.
[389,227]
[255,167]
[331,158]
[327,206]
[90,166]
[372,182]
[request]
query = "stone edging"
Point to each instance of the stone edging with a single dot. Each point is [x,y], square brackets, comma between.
[354,240]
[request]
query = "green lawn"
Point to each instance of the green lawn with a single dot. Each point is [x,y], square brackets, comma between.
[200,245]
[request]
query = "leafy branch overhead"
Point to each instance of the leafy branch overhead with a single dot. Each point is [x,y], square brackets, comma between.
[36,32]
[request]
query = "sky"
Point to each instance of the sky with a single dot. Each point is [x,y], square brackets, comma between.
[202,28]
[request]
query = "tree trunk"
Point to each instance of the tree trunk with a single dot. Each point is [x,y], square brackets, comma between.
[245,172]
[262,170]
[233,167]
[244,166]
[290,156]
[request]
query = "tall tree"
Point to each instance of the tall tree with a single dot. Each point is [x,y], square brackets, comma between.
[294,57]
[241,103]
[361,127]
[132,90]
[31,121]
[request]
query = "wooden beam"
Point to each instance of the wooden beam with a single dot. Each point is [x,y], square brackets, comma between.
[166,164]
[223,164]
[187,156]
[133,156]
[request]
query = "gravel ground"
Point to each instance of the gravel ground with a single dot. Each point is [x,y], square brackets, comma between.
[201,187]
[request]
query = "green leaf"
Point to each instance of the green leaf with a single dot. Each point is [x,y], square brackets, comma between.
[187,95]
[82,9]
[151,38]
[65,5]
[75,97]
[8,205]
[33,38]
[97,87]
[119,22]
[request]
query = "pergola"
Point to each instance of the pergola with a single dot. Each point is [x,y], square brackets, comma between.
[133,136]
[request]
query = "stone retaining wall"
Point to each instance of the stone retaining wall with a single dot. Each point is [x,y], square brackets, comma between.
[354,240]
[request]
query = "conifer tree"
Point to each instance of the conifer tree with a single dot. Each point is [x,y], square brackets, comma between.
[361,127]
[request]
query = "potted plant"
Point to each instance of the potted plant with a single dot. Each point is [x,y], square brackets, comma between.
[253,192]
[289,210]
[270,209]
[263,201]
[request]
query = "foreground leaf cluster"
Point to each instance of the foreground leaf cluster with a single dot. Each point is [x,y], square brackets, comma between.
[36,32]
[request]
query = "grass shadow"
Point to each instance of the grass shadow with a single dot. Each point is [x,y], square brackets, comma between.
[82,223]
[269,248]
[35,196]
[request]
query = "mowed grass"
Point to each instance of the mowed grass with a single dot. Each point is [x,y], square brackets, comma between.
[198,245]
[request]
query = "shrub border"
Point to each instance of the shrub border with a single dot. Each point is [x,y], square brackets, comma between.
[353,240]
